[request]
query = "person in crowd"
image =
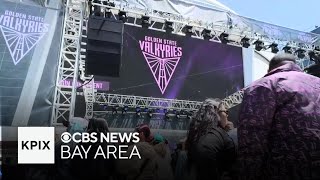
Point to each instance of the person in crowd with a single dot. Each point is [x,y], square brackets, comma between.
[144,133]
[135,168]
[61,169]
[210,150]
[94,168]
[163,158]
[279,124]
[180,161]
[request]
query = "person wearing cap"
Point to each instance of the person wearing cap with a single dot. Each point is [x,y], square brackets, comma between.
[135,168]
[144,133]
[163,158]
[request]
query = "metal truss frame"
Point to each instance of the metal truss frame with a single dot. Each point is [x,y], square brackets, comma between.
[65,96]
[158,19]
[71,61]
[88,88]
[146,102]
[233,100]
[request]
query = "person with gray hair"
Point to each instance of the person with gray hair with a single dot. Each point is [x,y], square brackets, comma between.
[279,123]
[210,150]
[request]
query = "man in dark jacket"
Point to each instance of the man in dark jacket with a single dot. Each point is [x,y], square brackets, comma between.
[279,124]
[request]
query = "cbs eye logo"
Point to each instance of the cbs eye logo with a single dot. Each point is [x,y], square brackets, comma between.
[66,137]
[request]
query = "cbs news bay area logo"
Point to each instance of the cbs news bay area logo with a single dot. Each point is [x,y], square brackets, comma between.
[36,145]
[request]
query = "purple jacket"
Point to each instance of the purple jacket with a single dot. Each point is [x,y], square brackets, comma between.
[279,126]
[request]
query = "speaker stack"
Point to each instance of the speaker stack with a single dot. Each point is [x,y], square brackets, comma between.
[104,46]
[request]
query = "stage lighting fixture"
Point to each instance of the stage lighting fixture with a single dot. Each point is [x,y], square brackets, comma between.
[107,13]
[108,3]
[122,16]
[206,34]
[177,114]
[168,26]
[125,109]
[166,114]
[287,49]
[138,111]
[224,38]
[259,45]
[187,29]
[300,53]
[114,110]
[274,48]
[145,21]
[150,113]
[245,42]
[189,115]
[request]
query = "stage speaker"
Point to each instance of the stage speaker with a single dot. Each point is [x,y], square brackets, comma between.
[104,46]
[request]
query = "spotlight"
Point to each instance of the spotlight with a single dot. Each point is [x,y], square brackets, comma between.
[177,114]
[114,110]
[138,111]
[224,38]
[125,109]
[108,3]
[187,29]
[206,34]
[245,42]
[122,16]
[168,26]
[145,21]
[274,48]
[301,53]
[166,113]
[107,12]
[150,113]
[258,45]
[287,49]
[189,115]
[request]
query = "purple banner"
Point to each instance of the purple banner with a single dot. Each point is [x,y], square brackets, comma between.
[99,85]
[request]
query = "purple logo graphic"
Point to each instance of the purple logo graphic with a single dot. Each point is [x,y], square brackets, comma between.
[162,57]
[21,32]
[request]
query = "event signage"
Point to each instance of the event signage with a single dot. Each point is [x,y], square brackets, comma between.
[21,32]
[99,85]
[162,57]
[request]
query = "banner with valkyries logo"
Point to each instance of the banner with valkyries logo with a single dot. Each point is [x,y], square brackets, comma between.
[21,32]
[30,37]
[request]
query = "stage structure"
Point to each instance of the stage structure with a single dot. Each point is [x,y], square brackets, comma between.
[71,61]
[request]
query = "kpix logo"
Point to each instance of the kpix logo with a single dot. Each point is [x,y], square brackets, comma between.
[30,145]
[36,145]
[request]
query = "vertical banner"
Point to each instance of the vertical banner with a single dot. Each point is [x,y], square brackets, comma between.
[27,34]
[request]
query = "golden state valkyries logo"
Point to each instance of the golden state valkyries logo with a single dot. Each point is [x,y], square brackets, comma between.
[21,32]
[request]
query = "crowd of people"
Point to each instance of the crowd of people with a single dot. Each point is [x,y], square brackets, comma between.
[278,138]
